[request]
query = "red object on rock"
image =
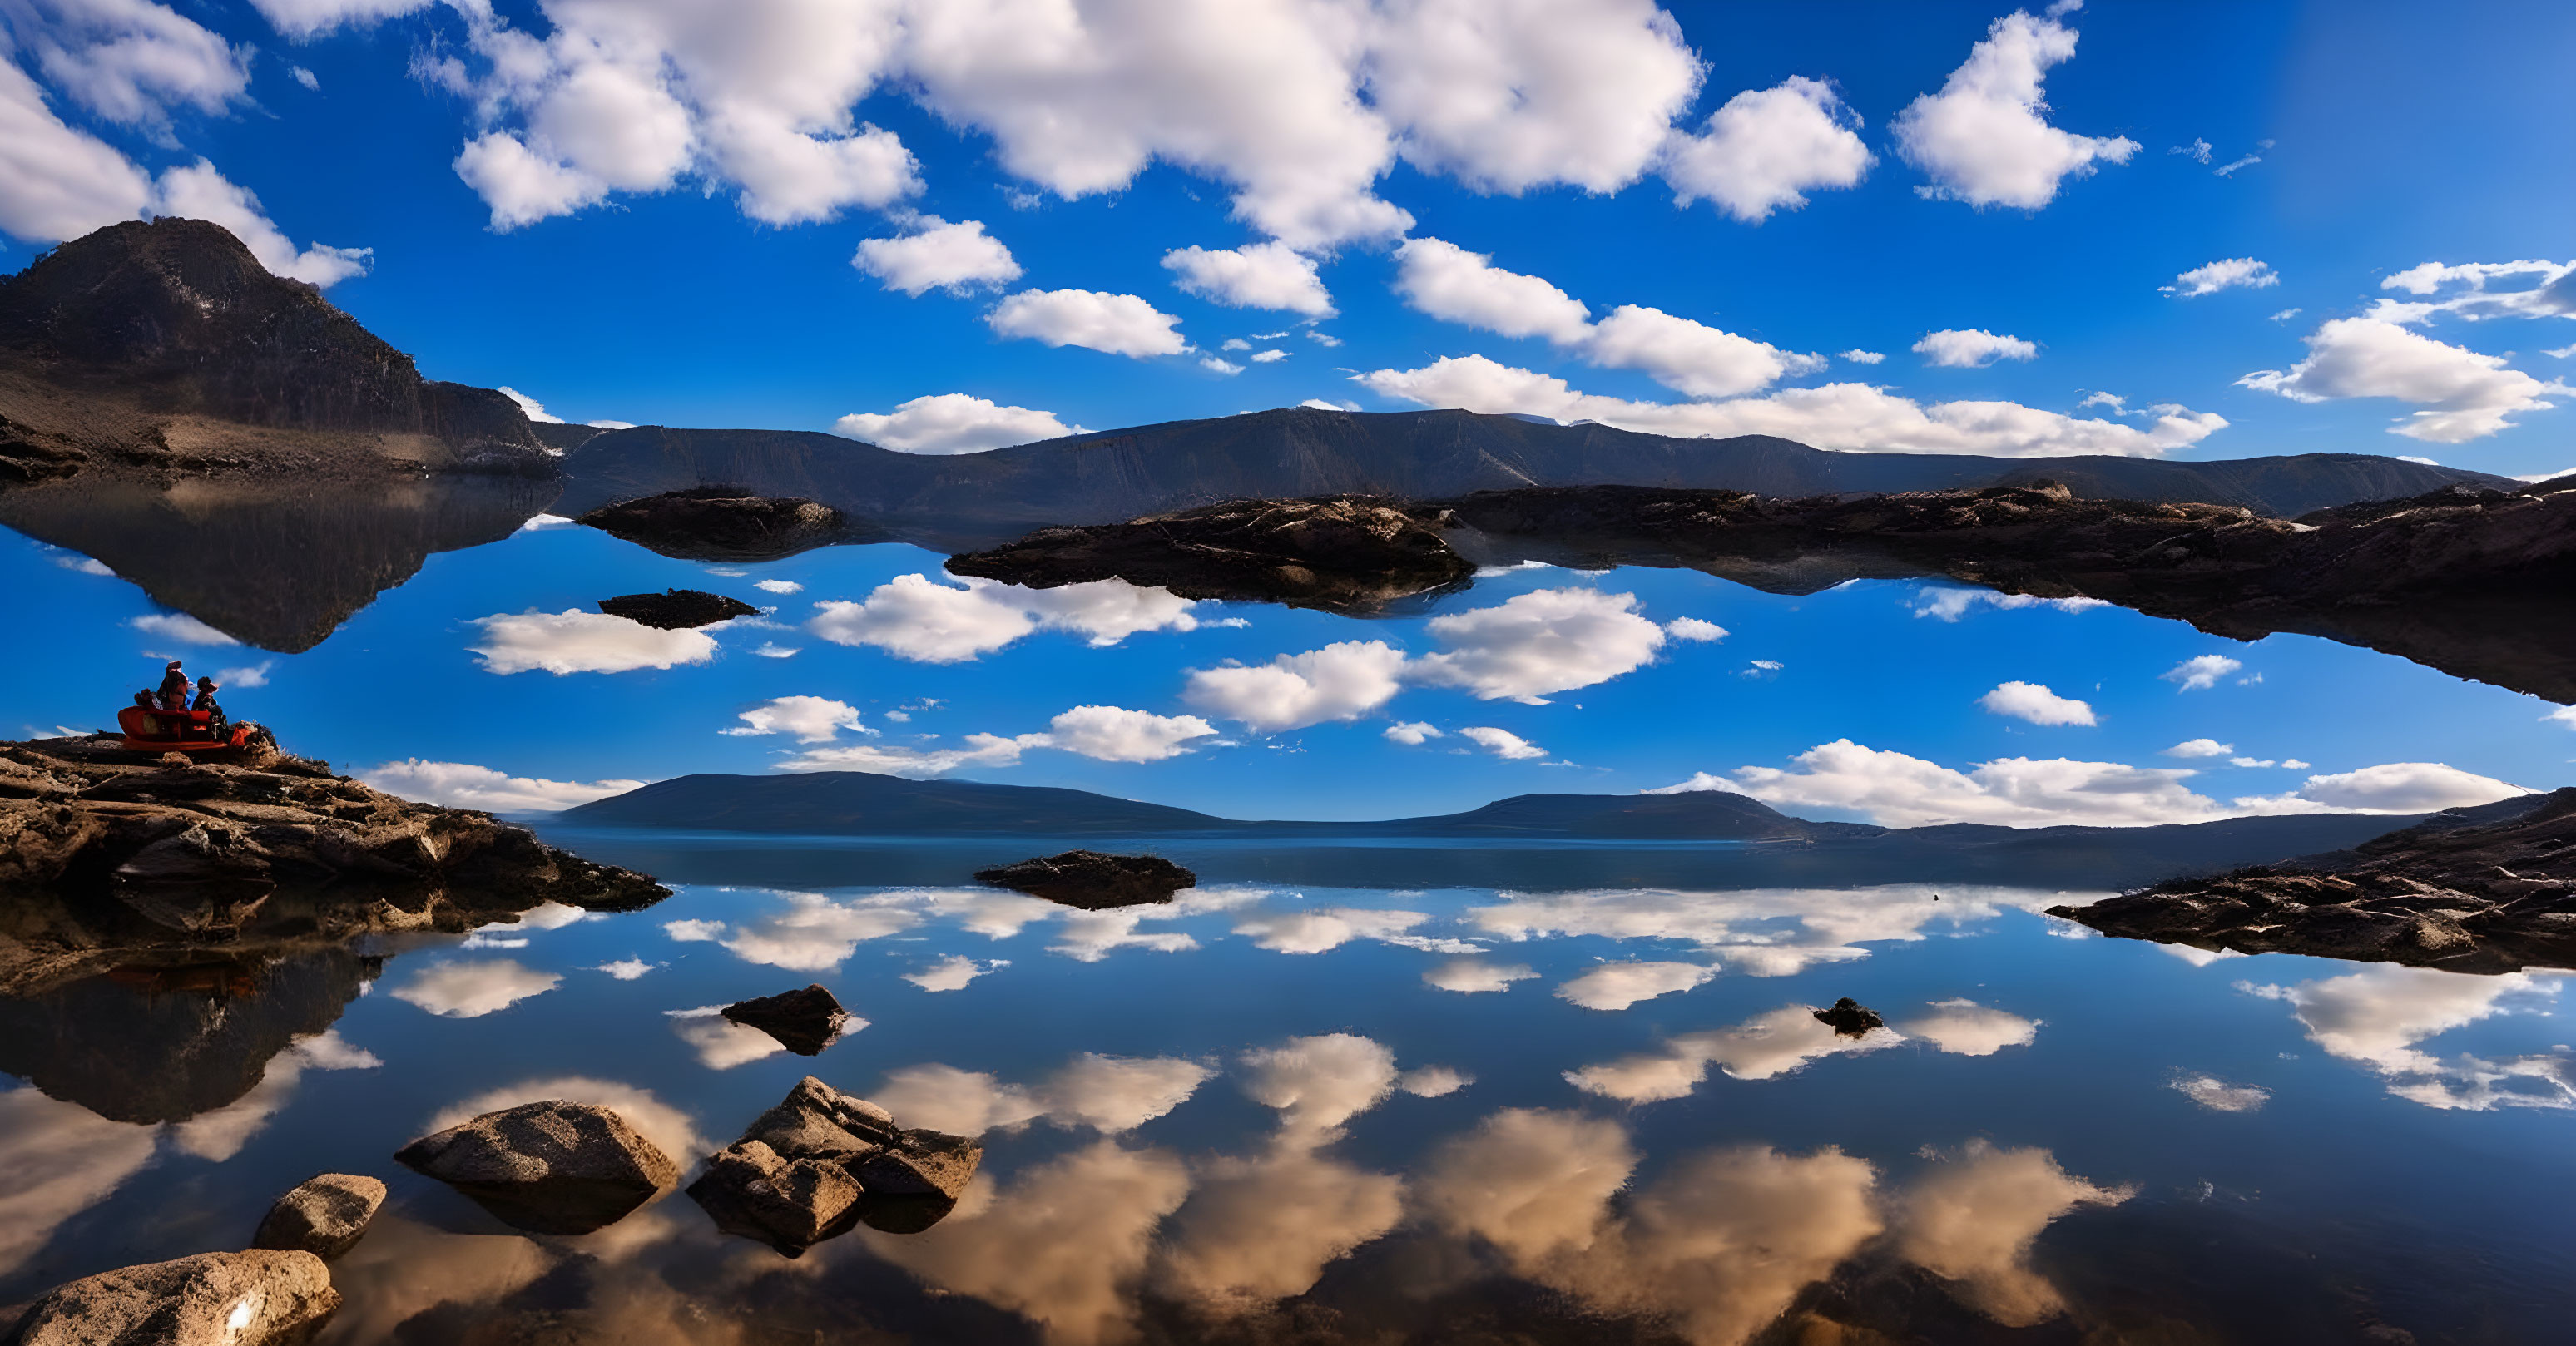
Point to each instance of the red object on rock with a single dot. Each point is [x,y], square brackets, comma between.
[177,730]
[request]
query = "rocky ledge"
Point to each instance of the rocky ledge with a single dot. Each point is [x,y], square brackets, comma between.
[823,1162]
[1341,554]
[110,857]
[1093,880]
[724,523]
[677,609]
[2490,889]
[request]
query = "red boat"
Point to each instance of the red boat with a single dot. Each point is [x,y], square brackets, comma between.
[177,730]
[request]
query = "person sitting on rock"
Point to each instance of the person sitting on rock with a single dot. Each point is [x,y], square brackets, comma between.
[206,689]
[174,688]
[144,699]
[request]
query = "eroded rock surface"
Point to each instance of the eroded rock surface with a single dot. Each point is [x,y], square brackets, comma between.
[324,1216]
[2490,889]
[111,854]
[677,609]
[257,1298]
[804,1021]
[1850,1018]
[823,1162]
[1341,553]
[723,523]
[1093,880]
[548,1167]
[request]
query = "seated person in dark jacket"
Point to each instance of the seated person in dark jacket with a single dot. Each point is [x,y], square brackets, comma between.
[174,688]
[206,690]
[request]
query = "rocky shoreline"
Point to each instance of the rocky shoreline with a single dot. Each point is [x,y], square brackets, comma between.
[2467,580]
[2484,890]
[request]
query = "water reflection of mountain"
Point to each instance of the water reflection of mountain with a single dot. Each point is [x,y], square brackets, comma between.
[277,564]
[168,1040]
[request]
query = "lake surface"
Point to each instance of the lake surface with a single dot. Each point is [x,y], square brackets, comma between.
[1343,1091]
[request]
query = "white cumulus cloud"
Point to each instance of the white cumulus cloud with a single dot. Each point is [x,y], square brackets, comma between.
[945,423]
[2037,704]
[2463,394]
[811,719]
[1341,681]
[1502,743]
[2226,274]
[1984,139]
[937,254]
[2200,747]
[1455,285]
[2200,672]
[1767,148]
[1119,324]
[1538,643]
[574,641]
[462,785]
[1971,348]
[914,617]
[1260,275]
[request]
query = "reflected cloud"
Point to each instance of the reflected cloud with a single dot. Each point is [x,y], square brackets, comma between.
[1319,1083]
[1064,1244]
[1109,1094]
[1966,1028]
[1262,1229]
[470,990]
[1472,976]
[1761,932]
[1328,928]
[953,972]
[403,1268]
[809,933]
[574,641]
[57,1160]
[1433,1081]
[1760,1048]
[2217,1095]
[1616,986]
[917,618]
[1971,1220]
[722,1044]
[2377,1016]
[219,1135]
[1718,1246]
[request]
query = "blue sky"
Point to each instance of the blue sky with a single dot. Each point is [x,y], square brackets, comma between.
[664,207]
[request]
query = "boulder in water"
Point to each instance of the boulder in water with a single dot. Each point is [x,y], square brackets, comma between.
[257,1298]
[324,1216]
[804,1021]
[548,1168]
[1850,1018]
[822,1162]
[722,523]
[677,609]
[1092,880]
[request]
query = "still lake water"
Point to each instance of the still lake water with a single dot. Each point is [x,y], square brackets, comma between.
[1577,1097]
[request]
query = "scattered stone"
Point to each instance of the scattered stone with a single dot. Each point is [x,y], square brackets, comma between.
[1339,553]
[1850,1018]
[823,1162]
[324,1216]
[677,609]
[1092,880]
[257,1298]
[722,523]
[548,1168]
[2489,889]
[804,1022]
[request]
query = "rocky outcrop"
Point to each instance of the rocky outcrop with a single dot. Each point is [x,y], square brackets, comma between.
[804,1021]
[166,343]
[1341,554]
[1849,1018]
[2488,890]
[822,1163]
[724,523]
[324,1216]
[1093,880]
[548,1168]
[677,609]
[257,1298]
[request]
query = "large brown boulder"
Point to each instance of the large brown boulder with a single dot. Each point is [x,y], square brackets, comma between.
[804,1021]
[822,1162]
[257,1298]
[324,1216]
[1340,553]
[1093,880]
[723,523]
[548,1168]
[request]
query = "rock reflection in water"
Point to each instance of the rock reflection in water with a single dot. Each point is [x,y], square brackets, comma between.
[271,563]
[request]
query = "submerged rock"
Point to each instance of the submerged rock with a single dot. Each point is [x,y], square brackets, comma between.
[1092,880]
[1341,553]
[804,1021]
[677,609]
[1850,1018]
[548,1168]
[722,523]
[822,1162]
[2490,889]
[257,1298]
[324,1216]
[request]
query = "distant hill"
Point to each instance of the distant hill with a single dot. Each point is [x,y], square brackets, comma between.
[859,804]
[168,342]
[1117,475]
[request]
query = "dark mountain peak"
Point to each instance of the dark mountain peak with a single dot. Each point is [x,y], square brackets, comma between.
[176,316]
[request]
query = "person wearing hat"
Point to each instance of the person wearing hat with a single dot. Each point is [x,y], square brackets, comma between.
[206,689]
[174,688]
